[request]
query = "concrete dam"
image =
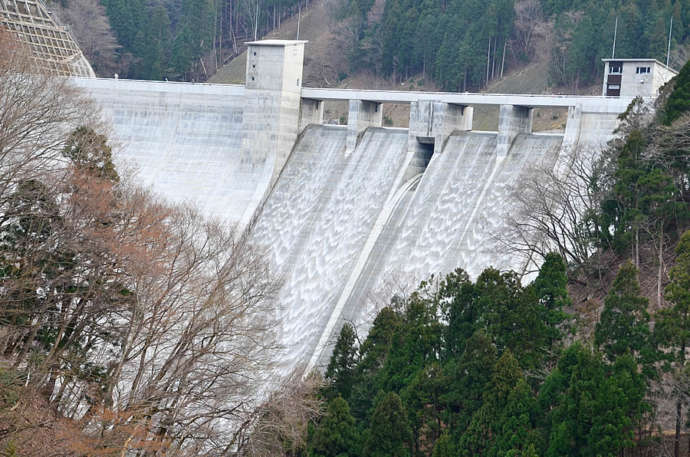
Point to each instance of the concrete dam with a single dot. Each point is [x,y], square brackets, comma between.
[348,214]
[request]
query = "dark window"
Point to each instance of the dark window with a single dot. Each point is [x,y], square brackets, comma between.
[616,67]
[643,70]
[613,90]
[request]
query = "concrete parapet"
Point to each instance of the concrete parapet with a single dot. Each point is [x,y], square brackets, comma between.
[311,112]
[362,114]
[512,121]
[433,122]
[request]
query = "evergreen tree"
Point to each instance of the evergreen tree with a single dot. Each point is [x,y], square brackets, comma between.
[503,421]
[422,400]
[673,324]
[443,447]
[592,410]
[624,324]
[679,101]
[343,361]
[389,433]
[468,378]
[89,151]
[373,354]
[336,435]
[416,343]
[551,290]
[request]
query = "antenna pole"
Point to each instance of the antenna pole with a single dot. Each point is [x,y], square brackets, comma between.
[670,33]
[615,35]
[299,16]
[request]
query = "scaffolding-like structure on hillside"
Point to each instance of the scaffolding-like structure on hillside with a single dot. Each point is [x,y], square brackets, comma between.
[52,46]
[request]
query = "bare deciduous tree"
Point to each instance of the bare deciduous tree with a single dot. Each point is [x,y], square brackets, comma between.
[279,424]
[528,18]
[90,27]
[145,322]
[553,212]
[37,111]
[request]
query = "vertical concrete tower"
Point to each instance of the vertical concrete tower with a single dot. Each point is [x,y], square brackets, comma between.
[270,122]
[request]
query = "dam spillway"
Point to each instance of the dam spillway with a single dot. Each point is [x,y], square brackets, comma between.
[348,215]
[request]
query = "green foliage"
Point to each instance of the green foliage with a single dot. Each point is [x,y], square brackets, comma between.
[673,324]
[551,290]
[389,433]
[643,183]
[89,151]
[679,100]
[10,450]
[336,434]
[460,43]
[591,409]
[624,324]
[343,361]
[10,388]
[444,447]
[447,372]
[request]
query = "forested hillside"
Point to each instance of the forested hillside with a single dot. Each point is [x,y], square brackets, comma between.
[173,39]
[463,44]
[460,44]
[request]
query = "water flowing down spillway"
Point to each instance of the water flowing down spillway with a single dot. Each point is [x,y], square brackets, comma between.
[452,218]
[318,219]
[343,231]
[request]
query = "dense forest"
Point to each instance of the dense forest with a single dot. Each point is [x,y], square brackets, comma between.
[463,44]
[459,44]
[494,367]
[173,39]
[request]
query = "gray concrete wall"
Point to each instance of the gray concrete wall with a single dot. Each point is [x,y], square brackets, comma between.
[361,115]
[434,122]
[341,205]
[311,112]
[512,121]
[271,111]
[183,140]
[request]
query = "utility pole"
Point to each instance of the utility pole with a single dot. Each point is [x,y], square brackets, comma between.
[615,35]
[668,53]
[256,21]
[488,61]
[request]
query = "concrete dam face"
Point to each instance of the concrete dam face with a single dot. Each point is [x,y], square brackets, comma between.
[348,214]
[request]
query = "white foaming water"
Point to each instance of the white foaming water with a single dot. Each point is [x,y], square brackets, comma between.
[451,220]
[317,220]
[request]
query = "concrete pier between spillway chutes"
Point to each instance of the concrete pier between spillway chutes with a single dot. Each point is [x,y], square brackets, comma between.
[512,121]
[362,114]
[432,122]
[311,112]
